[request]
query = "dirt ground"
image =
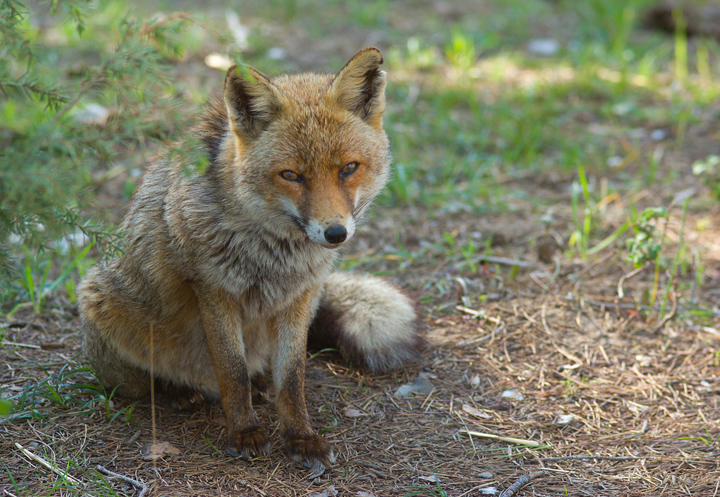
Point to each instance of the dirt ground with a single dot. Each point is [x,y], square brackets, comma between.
[606,400]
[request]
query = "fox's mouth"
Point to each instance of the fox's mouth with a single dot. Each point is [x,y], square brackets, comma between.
[332,236]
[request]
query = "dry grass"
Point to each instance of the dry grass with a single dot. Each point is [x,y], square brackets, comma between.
[617,403]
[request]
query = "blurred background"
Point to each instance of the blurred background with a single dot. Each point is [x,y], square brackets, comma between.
[493,106]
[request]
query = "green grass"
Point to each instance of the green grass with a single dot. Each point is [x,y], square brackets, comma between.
[73,390]
[61,393]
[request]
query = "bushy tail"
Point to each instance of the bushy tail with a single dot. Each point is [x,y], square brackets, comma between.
[370,321]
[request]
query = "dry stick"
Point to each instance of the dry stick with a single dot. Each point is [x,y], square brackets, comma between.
[669,316]
[627,276]
[477,314]
[544,322]
[251,486]
[611,305]
[143,488]
[598,458]
[152,397]
[524,480]
[47,464]
[26,345]
[505,261]
[518,441]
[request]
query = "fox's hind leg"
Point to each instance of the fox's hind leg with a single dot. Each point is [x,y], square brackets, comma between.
[111,367]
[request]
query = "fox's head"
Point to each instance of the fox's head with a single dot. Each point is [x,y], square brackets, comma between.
[309,149]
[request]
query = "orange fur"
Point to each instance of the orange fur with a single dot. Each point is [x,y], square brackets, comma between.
[224,271]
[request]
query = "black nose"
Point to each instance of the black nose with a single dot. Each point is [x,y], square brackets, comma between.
[335,233]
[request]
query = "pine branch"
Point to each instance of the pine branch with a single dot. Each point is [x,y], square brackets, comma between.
[51,96]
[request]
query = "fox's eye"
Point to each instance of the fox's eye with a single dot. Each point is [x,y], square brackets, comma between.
[291,176]
[348,169]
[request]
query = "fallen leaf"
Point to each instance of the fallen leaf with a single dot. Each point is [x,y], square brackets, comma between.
[354,413]
[154,451]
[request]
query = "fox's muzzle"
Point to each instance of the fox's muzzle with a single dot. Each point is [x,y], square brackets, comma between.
[330,234]
[335,234]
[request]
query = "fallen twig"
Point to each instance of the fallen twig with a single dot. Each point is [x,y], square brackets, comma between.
[524,480]
[599,458]
[627,276]
[643,307]
[519,441]
[668,317]
[48,465]
[26,345]
[504,261]
[143,488]
[477,314]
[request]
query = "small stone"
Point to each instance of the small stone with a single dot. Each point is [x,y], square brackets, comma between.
[514,394]
[564,419]
[422,386]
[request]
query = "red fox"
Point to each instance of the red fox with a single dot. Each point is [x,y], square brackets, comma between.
[226,271]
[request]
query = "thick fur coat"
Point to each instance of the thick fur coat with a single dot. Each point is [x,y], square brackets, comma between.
[225,271]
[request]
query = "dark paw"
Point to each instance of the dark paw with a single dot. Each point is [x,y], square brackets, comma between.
[259,389]
[181,396]
[189,400]
[248,443]
[312,451]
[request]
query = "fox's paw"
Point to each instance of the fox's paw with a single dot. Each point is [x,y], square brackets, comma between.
[259,389]
[189,400]
[310,450]
[181,396]
[247,443]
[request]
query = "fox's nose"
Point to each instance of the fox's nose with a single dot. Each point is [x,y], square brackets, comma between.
[335,233]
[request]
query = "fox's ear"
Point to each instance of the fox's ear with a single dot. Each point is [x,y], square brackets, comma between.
[252,101]
[360,86]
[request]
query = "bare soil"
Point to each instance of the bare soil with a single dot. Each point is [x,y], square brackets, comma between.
[619,403]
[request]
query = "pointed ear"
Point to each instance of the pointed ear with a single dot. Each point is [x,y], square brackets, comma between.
[252,101]
[360,86]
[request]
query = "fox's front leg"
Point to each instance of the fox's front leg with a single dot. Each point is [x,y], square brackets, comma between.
[303,444]
[221,320]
